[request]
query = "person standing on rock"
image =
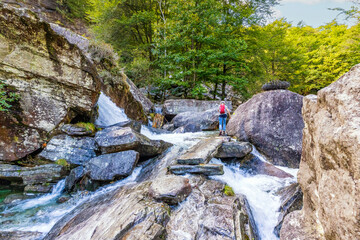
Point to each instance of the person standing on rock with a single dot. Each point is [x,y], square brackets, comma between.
[222,117]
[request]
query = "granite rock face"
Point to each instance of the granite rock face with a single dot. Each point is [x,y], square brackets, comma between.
[76,151]
[196,121]
[273,123]
[55,82]
[233,150]
[329,173]
[112,166]
[117,139]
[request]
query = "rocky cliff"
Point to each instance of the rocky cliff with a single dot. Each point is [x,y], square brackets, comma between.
[329,172]
[54,80]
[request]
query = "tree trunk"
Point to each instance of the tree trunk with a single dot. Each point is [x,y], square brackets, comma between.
[215,89]
[223,83]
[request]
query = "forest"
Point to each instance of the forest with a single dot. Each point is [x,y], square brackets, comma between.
[187,47]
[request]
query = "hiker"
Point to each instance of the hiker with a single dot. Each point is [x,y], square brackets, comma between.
[222,117]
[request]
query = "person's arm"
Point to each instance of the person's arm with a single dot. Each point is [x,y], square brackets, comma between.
[228,112]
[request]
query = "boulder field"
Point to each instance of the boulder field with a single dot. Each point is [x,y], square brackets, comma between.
[329,173]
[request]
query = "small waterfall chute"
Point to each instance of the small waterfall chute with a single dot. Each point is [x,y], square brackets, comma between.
[109,113]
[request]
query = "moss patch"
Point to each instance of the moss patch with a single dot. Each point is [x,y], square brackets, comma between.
[228,191]
[63,162]
[88,126]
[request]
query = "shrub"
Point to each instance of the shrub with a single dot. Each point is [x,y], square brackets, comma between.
[6,97]
[228,191]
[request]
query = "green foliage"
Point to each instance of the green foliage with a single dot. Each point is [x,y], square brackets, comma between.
[62,162]
[74,8]
[228,191]
[88,126]
[6,97]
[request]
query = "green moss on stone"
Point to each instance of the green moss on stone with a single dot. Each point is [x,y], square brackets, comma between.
[228,191]
[62,162]
[88,126]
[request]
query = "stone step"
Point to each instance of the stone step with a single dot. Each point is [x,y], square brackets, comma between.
[206,169]
[202,152]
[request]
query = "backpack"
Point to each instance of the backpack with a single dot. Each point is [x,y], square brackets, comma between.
[222,108]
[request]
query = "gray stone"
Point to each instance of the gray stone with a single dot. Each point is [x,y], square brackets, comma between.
[199,121]
[273,123]
[254,165]
[209,214]
[23,235]
[202,152]
[48,173]
[17,197]
[233,150]
[135,125]
[75,130]
[75,150]
[112,166]
[74,177]
[206,169]
[173,107]
[170,189]
[116,139]
[168,127]
[38,188]
[291,198]
[55,82]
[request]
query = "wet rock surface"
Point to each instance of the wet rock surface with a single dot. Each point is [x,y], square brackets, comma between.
[75,150]
[209,214]
[273,123]
[74,177]
[254,165]
[170,189]
[75,130]
[23,235]
[173,107]
[206,169]
[112,166]
[233,150]
[116,139]
[329,171]
[135,125]
[202,152]
[291,198]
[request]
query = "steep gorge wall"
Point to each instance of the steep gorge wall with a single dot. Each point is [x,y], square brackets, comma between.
[329,172]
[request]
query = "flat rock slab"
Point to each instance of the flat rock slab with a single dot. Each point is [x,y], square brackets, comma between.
[234,150]
[170,189]
[202,152]
[206,169]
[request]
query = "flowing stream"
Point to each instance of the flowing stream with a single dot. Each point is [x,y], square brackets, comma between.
[41,213]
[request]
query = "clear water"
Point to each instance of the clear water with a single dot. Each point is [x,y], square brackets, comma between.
[109,113]
[41,214]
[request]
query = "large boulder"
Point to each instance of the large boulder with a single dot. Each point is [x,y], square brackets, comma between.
[229,150]
[173,107]
[170,189]
[112,166]
[329,173]
[75,150]
[117,139]
[197,121]
[32,177]
[272,122]
[53,79]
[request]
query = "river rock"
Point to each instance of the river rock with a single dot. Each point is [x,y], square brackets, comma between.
[170,189]
[112,166]
[17,197]
[116,139]
[55,82]
[272,122]
[199,121]
[38,188]
[206,169]
[75,150]
[329,173]
[135,125]
[291,198]
[209,214]
[23,235]
[173,107]
[75,130]
[202,152]
[253,165]
[74,177]
[233,150]
[123,214]
[22,176]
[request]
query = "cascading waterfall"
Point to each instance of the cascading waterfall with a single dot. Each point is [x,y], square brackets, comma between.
[109,113]
[41,214]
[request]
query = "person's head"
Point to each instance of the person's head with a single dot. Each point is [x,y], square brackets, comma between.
[222,102]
